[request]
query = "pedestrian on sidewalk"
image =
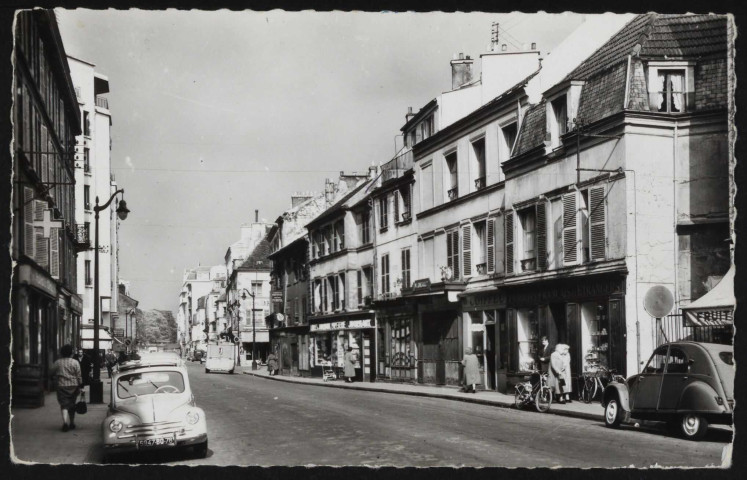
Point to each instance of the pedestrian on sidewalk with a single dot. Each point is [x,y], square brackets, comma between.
[67,375]
[558,377]
[349,360]
[86,366]
[545,353]
[111,359]
[471,371]
[568,388]
[272,363]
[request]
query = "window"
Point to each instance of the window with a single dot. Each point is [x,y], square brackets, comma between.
[479,247]
[509,137]
[478,147]
[335,288]
[86,160]
[256,288]
[426,127]
[670,91]
[339,236]
[452,252]
[87,197]
[89,280]
[384,213]
[584,226]
[528,219]
[385,274]
[359,285]
[406,268]
[365,228]
[560,115]
[657,361]
[86,124]
[365,285]
[451,166]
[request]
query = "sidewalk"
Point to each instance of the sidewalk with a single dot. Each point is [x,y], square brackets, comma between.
[37,436]
[577,409]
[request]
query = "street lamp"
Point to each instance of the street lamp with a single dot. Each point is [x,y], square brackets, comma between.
[97,388]
[254,329]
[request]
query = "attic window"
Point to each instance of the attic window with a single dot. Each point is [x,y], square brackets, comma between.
[560,113]
[670,93]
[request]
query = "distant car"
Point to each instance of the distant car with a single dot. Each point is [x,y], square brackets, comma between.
[197,356]
[686,384]
[152,407]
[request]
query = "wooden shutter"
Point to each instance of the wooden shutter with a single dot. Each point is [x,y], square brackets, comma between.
[28,221]
[41,244]
[456,272]
[467,249]
[490,244]
[597,216]
[541,234]
[509,235]
[570,234]
[54,253]
[395,199]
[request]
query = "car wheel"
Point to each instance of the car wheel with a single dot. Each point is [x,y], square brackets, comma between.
[693,427]
[207,370]
[612,413]
[201,449]
[231,371]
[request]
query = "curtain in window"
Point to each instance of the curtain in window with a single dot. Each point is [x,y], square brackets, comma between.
[661,101]
[676,82]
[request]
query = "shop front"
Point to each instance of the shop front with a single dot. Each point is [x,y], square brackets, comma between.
[247,348]
[291,346]
[487,335]
[397,341]
[329,340]
[586,313]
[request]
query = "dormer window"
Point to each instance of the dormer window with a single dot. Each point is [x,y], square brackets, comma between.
[671,86]
[560,117]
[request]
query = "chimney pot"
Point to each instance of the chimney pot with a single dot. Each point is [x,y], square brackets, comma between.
[256,216]
[534,46]
[503,47]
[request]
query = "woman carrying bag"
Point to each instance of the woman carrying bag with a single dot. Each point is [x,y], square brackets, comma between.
[66,372]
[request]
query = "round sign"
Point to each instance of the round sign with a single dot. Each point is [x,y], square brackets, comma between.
[280,317]
[128,342]
[236,340]
[658,301]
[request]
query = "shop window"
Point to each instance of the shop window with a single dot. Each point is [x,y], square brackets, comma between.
[477,334]
[595,335]
[453,180]
[403,355]
[478,149]
[406,268]
[323,350]
[527,333]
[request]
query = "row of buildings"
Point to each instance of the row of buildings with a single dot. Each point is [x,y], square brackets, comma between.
[544,197]
[61,166]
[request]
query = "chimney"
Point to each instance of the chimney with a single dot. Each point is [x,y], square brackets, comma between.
[372,172]
[329,191]
[409,114]
[299,197]
[256,216]
[461,71]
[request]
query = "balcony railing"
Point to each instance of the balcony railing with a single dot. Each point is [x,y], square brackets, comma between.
[479,183]
[406,216]
[528,265]
[82,236]
[102,102]
[453,193]
[397,166]
[482,268]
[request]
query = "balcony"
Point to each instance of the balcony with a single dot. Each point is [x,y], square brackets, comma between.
[82,236]
[479,183]
[453,193]
[397,166]
[482,268]
[406,216]
[102,102]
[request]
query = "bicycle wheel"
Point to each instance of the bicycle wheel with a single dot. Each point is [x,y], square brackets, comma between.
[589,390]
[543,400]
[519,399]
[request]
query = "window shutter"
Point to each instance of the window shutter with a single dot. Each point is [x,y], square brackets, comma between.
[41,244]
[509,234]
[395,198]
[54,253]
[467,249]
[541,234]
[28,221]
[570,234]
[490,226]
[597,217]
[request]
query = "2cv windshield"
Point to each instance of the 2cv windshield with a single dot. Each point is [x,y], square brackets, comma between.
[148,383]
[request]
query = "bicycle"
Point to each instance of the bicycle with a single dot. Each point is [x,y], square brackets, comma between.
[537,390]
[592,382]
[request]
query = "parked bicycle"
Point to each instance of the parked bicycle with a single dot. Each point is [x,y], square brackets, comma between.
[534,391]
[595,380]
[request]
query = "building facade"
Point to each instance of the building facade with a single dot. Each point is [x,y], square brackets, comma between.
[46,306]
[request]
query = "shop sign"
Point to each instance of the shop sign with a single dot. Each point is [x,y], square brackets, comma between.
[277,297]
[566,290]
[29,276]
[118,332]
[341,325]
[76,303]
[484,301]
[422,284]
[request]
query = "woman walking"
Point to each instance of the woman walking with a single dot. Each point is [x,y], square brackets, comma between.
[69,381]
[272,363]
[349,360]
[471,370]
[558,377]
[565,354]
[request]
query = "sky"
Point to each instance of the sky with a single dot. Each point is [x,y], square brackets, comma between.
[216,114]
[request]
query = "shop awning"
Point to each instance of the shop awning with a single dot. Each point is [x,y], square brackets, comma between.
[86,339]
[716,307]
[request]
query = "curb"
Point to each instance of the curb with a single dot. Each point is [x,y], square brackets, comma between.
[493,403]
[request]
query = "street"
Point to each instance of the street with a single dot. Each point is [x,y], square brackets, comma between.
[256,421]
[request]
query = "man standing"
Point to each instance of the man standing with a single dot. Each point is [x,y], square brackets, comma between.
[544,355]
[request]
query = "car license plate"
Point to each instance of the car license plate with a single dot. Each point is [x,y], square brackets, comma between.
[157,442]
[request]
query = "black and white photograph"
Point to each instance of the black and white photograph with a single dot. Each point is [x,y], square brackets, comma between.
[270,238]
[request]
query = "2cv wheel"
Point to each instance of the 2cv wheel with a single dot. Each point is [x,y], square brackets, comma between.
[612,413]
[693,427]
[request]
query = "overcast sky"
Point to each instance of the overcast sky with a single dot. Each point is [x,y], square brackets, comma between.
[216,114]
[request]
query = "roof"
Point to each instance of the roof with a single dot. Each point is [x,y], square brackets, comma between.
[673,36]
[340,204]
[259,258]
[532,133]
[296,244]
[418,116]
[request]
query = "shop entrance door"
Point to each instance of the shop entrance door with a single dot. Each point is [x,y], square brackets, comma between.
[434,362]
[490,356]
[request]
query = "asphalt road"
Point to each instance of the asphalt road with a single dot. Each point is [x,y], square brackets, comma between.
[256,421]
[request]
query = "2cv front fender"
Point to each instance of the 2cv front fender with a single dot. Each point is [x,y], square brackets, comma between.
[619,390]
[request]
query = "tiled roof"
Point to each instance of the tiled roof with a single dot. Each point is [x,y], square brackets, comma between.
[658,35]
[532,133]
[603,95]
[259,258]
[337,206]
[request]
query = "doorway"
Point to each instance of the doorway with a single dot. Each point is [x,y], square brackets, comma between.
[490,359]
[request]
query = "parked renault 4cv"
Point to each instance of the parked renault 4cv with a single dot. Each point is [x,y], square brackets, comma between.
[686,384]
[152,407]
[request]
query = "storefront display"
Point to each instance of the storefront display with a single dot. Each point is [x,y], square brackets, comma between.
[527,333]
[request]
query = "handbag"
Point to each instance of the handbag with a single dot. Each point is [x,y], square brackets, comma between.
[81,407]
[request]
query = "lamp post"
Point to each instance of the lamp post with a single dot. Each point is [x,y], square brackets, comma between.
[128,325]
[97,388]
[254,328]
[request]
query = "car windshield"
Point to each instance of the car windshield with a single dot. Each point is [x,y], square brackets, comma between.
[148,383]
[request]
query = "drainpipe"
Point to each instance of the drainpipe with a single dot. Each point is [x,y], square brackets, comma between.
[675,246]
[635,239]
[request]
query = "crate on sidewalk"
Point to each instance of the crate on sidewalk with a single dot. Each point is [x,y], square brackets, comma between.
[28,386]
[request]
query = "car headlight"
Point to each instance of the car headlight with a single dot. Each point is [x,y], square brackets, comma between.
[115,425]
[193,417]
